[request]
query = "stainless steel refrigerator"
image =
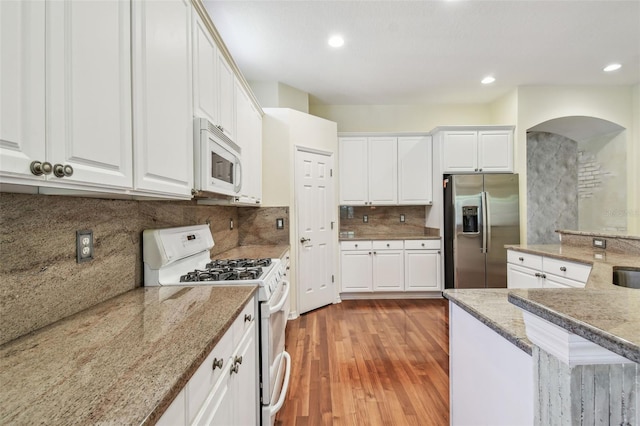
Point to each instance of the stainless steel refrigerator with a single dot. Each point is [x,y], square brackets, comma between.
[481,215]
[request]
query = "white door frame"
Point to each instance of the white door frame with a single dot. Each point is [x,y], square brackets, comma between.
[294,228]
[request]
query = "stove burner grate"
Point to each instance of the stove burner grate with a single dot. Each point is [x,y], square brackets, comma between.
[228,270]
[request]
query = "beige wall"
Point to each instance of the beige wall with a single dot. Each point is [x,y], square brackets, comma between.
[401,118]
[536,105]
[272,94]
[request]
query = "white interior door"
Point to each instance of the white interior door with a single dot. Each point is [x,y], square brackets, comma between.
[314,201]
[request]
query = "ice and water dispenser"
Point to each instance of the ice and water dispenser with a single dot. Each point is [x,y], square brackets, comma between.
[470,219]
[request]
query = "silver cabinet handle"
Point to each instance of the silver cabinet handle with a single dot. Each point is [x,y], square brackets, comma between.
[237,360]
[234,369]
[521,259]
[388,245]
[479,170]
[304,240]
[356,246]
[38,168]
[369,253]
[217,363]
[62,170]
[563,269]
[538,274]
[248,317]
[422,244]
[375,252]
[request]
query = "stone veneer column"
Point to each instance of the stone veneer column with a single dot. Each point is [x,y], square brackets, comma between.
[584,394]
[577,382]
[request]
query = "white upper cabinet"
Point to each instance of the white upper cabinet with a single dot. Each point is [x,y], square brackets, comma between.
[386,170]
[414,170]
[163,130]
[226,97]
[205,72]
[22,77]
[368,171]
[477,151]
[66,94]
[249,138]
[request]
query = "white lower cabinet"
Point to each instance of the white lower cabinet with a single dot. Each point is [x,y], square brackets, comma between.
[390,266]
[526,270]
[224,389]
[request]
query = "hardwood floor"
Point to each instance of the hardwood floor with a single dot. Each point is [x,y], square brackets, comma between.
[369,362]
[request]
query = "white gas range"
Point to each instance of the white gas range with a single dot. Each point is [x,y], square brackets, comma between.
[181,257]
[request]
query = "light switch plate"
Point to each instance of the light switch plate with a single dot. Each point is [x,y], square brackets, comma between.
[365,218]
[402,218]
[279,223]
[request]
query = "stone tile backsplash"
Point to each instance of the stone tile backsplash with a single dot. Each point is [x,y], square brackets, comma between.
[384,221]
[40,281]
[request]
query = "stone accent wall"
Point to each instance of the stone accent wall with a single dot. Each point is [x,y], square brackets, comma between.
[384,221]
[40,281]
[584,394]
[590,175]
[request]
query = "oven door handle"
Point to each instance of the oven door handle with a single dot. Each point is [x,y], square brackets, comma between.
[285,385]
[283,299]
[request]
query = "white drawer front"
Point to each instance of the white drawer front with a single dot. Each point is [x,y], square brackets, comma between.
[244,321]
[422,244]
[524,259]
[388,245]
[355,245]
[206,376]
[562,268]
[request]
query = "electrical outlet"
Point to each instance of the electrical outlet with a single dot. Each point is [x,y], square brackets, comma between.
[365,218]
[600,243]
[84,246]
[280,223]
[401,218]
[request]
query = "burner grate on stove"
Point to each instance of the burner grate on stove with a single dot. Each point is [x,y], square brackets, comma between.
[228,270]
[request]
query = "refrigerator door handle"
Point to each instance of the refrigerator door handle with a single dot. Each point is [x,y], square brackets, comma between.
[487,217]
[483,208]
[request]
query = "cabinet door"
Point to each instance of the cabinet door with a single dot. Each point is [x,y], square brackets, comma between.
[554,281]
[245,390]
[256,154]
[226,97]
[495,151]
[520,277]
[353,171]
[460,151]
[22,78]
[205,77]
[383,171]
[421,270]
[388,270]
[356,271]
[88,90]
[243,139]
[414,170]
[162,98]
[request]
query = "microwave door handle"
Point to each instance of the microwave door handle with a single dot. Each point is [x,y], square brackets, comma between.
[238,182]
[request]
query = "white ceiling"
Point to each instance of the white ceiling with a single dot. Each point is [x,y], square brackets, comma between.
[426,52]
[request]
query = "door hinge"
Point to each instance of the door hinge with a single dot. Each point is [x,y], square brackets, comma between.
[333,280]
[331,225]
[330,172]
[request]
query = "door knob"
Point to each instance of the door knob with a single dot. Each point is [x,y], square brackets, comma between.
[304,240]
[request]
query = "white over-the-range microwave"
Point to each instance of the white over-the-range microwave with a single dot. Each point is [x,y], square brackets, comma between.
[217,160]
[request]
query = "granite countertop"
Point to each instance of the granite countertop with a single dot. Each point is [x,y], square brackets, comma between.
[603,313]
[364,237]
[602,262]
[491,307]
[609,318]
[122,361]
[254,251]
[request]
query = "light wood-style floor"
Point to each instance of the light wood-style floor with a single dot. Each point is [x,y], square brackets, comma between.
[373,362]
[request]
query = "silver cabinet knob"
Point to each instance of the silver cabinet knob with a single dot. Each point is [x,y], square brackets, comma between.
[237,360]
[388,245]
[234,369]
[479,170]
[521,259]
[248,317]
[61,170]
[38,168]
[217,363]
[563,269]
[356,246]
[422,244]
[304,240]
[538,274]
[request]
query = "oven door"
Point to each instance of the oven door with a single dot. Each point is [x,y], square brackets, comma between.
[276,362]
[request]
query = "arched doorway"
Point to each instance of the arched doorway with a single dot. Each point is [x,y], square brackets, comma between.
[576,177]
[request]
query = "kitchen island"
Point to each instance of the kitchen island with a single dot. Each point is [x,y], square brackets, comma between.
[600,328]
[122,361]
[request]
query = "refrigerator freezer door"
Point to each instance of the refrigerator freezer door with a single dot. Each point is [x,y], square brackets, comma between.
[503,225]
[469,259]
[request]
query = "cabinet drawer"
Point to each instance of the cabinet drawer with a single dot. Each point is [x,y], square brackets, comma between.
[244,321]
[524,259]
[206,376]
[562,268]
[388,245]
[422,244]
[355,245]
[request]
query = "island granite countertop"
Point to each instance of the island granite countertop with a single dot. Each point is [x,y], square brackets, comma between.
[122,361]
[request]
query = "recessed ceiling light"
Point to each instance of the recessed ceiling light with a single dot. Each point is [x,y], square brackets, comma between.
[612,67]
[488,80]
[336,41]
